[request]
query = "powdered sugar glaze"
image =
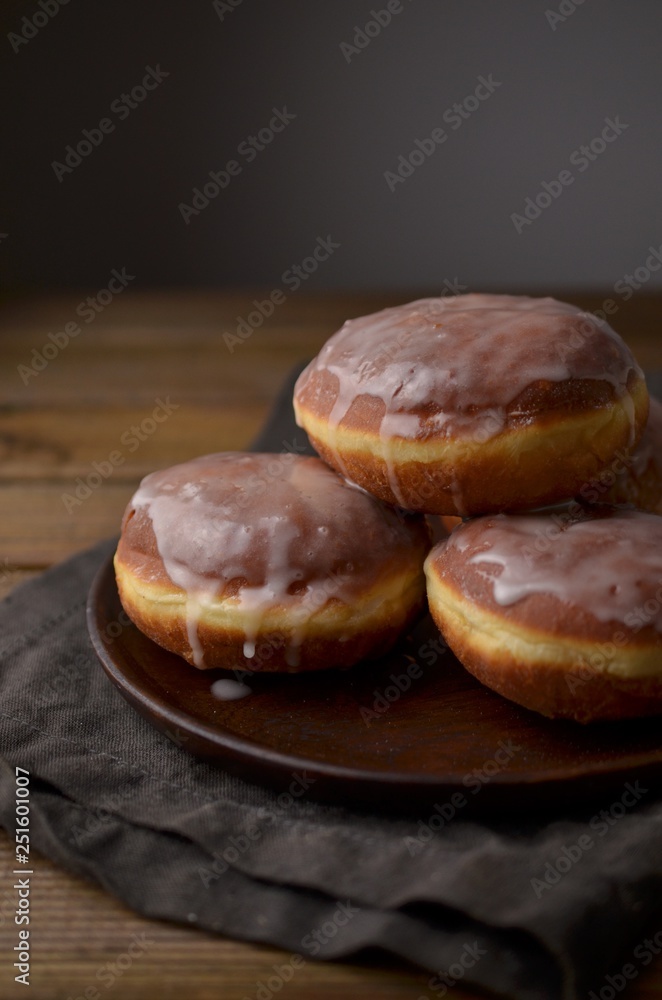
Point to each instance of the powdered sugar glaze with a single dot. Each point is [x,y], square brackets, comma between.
[609,564]
[267,531]
[456,364]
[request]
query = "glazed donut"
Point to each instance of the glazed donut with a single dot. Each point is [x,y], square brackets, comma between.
[267,562]
[636,477]
[472,404]
[560,612]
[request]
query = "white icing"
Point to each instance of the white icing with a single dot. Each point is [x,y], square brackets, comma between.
[229,690]
[290,540]
[454,365]
[610,566]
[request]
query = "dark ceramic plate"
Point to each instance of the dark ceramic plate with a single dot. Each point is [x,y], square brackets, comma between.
[410,728]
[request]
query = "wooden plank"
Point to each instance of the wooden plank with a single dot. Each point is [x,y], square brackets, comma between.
[208,375]
[36,529]
[55,443]
[181,350]
[77,929]
[143,318]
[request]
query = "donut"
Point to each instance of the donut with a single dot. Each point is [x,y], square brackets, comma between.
[633,478]
[474,403]
[267,562]
[560,612]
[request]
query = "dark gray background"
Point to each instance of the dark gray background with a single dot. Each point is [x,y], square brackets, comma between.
[324,175]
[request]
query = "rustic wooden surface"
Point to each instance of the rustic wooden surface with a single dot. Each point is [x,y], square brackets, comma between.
[144,347]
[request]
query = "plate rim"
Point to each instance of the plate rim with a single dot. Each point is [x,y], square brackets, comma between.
[257,755]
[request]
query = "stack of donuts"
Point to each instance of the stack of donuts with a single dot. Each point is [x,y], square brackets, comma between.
[525,421]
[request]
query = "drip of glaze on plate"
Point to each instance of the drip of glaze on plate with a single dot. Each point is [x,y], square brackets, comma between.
[228,690]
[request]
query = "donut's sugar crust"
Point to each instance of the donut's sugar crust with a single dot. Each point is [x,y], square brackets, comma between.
[563,616]
[233,552]
[474,403]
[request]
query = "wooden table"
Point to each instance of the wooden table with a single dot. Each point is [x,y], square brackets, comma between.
[78,409]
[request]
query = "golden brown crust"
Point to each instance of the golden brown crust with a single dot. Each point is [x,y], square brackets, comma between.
[542,650]
[474,403]
[159,612]
[558,691]
[276,570]
[528,465]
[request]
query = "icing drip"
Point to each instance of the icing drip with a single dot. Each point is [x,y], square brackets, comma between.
[229,690]
[454,365]
[387,431]
[267,532]
[608,564]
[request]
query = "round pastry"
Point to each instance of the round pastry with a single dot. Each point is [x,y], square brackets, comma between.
[636,477]
[474,403]
[560,612]
[267,562]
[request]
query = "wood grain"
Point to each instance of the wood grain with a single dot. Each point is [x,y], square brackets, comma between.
[53,429]
[77,929]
